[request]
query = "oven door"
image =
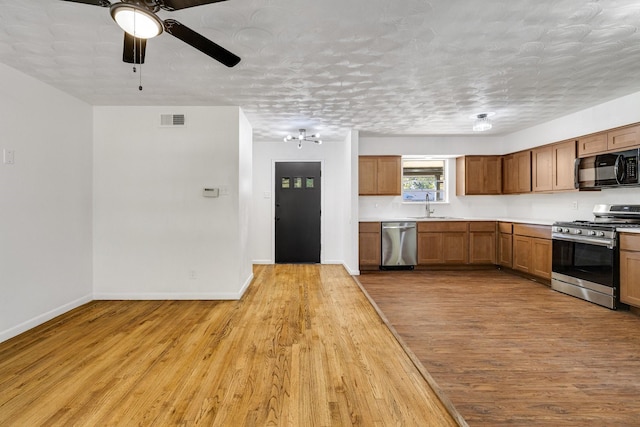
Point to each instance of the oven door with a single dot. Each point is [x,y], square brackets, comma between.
[585,270]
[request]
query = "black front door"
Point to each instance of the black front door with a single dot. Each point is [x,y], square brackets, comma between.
[297,198]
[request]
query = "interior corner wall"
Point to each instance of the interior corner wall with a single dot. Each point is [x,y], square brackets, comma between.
[45,203]
[334,179]
[155,235]
[245,199]
[350,239]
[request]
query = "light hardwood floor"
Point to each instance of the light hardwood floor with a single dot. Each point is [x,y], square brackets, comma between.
[302,348]
[509,351]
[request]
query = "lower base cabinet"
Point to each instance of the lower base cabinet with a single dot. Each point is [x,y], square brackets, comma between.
[630,269]
[442,248]
[369,245]
[532,250]
[482,242]
[505,244]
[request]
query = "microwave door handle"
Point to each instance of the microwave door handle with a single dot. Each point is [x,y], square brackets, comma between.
[618,169]
[576,175]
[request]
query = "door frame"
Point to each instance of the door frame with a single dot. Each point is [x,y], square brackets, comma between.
[273,204]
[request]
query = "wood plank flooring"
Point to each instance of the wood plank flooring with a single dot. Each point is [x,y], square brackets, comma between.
[509,351]
[303,347]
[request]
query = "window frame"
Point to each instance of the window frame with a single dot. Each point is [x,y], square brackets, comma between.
[444,190]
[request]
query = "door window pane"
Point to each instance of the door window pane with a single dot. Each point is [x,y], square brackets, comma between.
[310,182]
[297,182]
[286,182]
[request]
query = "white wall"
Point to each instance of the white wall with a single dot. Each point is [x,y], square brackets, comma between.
[547,207]
[155,236]
[445,146]
[45,203]
[619,112]
[336,178]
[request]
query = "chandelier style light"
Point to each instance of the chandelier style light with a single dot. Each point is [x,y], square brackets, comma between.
[302,136]
[482,122]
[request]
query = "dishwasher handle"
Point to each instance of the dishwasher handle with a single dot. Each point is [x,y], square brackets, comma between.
[398,227]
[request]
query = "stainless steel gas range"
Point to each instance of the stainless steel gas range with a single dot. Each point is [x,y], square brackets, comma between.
[585,261]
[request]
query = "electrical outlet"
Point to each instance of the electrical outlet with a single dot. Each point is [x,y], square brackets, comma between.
[574,205]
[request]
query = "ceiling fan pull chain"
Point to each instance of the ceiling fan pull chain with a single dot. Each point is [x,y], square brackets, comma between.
[134,43]
[140,87]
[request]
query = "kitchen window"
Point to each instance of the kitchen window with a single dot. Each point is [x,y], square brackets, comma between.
[423,176]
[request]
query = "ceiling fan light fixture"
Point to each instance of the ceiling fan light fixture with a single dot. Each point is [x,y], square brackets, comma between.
[136,20]
[482,123]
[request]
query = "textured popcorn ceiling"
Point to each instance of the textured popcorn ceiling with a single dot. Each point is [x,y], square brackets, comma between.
[394,67]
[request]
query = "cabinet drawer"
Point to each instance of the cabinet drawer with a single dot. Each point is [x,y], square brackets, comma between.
[629,242]
[505,227]
[427,226]
[369,227]
[482,226]
[541,231]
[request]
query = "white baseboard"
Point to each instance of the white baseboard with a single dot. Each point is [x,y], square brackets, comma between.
[154,296]
[45,317]
[263,261]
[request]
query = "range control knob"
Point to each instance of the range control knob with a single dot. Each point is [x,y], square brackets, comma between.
[592,233]
[578,231]
[601,233]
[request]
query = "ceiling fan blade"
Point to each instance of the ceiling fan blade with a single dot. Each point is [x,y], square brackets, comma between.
[103,3]
[132,44]
[200,42]
[183,4]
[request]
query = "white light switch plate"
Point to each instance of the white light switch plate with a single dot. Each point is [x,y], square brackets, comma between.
[8,156]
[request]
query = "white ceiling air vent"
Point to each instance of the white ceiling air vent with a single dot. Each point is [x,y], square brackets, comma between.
[171,120]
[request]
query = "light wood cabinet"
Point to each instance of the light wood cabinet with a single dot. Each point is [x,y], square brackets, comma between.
[630,269]
[443,242]
[592,144]
[623,138]
[505,244]
[477,175]
[482,242]
[619,139]
[369,245]
[516,173]
[379,175]
[532,249]
[552,167]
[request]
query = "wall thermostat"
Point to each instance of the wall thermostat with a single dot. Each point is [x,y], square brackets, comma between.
[211,192]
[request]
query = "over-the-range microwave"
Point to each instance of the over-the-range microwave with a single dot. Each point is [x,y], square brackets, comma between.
[608,170]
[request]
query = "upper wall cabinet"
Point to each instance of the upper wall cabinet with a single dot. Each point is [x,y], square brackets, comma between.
[516,173]
[478,175]
[552,167]
[379,175]
[613,140]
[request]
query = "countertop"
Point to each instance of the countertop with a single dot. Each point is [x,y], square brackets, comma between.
[446,218]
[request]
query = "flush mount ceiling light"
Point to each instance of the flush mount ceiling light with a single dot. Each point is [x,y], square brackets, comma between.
[136,20]
[482,122]
[302,136]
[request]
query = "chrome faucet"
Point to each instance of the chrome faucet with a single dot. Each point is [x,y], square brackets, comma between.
[427,206]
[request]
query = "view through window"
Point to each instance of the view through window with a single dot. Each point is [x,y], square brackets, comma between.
[422,177]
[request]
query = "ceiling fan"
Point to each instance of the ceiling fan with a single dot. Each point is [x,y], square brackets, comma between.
[139,21]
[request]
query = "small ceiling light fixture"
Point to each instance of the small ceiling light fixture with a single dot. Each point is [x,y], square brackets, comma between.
[482,122]
[136,20]
[302,136]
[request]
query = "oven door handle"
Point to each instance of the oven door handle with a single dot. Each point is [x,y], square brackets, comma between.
[585,239]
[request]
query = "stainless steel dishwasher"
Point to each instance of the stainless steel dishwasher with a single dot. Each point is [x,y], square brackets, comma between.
[398,245]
